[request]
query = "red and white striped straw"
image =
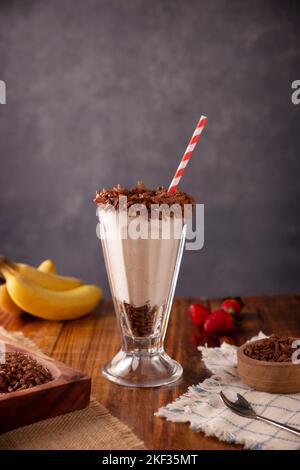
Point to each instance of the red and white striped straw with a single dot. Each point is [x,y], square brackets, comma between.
[187,154]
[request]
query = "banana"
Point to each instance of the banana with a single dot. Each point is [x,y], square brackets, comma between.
[6,302]
[43,279]
[47,266]
[50,305]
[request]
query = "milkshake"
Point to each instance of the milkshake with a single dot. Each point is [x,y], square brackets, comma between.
[142,251]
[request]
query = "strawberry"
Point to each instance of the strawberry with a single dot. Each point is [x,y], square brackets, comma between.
[198,314]
[232,305]
[218,322]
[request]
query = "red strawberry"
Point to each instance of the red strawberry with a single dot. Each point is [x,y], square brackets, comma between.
[232,305]
[218,322]
[198,314]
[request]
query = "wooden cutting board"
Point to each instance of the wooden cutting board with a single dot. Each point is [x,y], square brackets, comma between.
[69,391]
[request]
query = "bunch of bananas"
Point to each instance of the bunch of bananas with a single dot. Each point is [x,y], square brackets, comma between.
[43,293]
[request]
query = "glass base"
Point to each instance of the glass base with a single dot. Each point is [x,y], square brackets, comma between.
[140,369]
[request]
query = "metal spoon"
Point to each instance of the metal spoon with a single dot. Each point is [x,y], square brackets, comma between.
[243,408]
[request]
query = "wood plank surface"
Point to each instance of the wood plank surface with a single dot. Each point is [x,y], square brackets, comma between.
[89,342]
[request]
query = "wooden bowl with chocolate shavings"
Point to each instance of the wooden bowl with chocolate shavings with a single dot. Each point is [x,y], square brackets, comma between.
[270,364]
[36,387]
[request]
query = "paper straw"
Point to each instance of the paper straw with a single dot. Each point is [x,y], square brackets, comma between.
[187,154]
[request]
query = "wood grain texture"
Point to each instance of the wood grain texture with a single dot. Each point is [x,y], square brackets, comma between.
[267,376]
[88,343]
[69,390]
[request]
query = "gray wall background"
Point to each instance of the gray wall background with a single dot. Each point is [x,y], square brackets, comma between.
[108,91]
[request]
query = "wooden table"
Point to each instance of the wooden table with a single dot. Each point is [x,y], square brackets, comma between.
[88,343]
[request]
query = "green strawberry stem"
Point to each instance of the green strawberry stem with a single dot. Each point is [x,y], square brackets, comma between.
[235,321]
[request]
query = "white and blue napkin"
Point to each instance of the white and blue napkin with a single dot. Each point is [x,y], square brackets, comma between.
[204,410]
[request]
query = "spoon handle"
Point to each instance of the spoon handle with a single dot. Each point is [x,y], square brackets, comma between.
[279,425]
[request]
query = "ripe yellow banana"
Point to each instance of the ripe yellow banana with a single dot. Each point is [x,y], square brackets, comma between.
[6,302]
[43,279]
[51,305]
[48,266]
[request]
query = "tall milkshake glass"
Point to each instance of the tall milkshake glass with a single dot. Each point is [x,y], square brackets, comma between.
[142,273]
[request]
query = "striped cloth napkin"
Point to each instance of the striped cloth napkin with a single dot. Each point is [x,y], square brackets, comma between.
[204,410]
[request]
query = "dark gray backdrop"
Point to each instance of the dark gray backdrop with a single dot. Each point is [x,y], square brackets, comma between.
[108,91]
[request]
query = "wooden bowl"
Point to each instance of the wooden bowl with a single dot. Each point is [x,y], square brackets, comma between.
[272,377]
[68,391]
